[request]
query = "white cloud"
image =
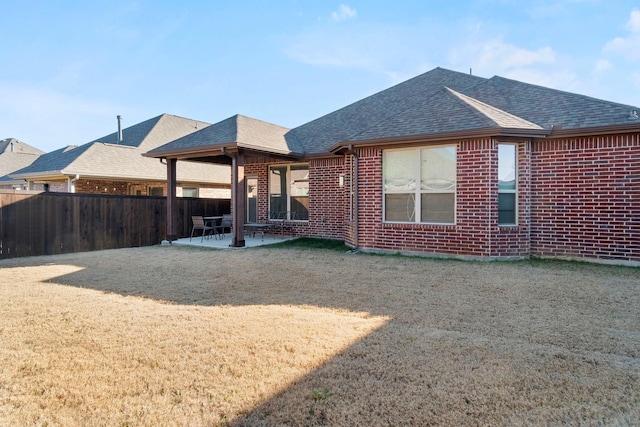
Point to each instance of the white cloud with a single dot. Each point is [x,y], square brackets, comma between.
[602,65]
[508,56]
[629,46]
[343,13]
[489,56]
[494,56]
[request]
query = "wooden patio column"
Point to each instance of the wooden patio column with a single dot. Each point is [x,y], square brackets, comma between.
[172,205]
[238,197]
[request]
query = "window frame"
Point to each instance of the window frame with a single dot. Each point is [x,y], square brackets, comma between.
[288,179]
[513,191]
[195,190]
[417,192]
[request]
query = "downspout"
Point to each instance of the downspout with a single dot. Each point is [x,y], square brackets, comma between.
[354,189]
[71,188]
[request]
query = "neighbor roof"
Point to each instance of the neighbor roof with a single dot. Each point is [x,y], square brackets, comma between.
[15,155]
[105,158]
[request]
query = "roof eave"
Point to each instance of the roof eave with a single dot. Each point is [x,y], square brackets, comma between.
[633,127]
[190,152]
[40,175]
[443,136]
[216,149]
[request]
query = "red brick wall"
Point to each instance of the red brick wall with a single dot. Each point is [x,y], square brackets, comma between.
[99,186]
[577,198]
[327,201]
[586,198]
[512,241]
[476,194]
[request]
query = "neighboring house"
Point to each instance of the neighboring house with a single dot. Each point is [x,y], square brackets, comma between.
[445,164]
[15,155]
[114,164]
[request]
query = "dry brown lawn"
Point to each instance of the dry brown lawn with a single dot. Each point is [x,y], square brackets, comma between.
[288,336]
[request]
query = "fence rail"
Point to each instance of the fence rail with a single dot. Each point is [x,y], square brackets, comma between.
[35,223]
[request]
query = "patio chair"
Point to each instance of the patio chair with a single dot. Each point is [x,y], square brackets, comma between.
[200,224]
[281,220]
[225,223]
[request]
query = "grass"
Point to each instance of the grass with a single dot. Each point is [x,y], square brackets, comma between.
[295,335]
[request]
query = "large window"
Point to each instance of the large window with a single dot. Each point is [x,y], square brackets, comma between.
[420,185]
[507,184]
[289,192]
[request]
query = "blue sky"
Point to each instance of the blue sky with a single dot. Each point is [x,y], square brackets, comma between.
[69,67]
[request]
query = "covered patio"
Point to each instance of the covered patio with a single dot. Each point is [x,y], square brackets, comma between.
[226,242]
[232,142]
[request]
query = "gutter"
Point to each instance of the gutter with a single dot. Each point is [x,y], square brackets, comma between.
[442,137]
[354,186]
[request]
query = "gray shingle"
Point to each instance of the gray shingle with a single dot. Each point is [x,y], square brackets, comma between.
[105,158]
[548,107]
[420,106]
[354,120]
[241,130]
[15,155]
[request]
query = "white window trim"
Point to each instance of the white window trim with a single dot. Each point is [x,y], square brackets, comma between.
[418,191]
[510,191]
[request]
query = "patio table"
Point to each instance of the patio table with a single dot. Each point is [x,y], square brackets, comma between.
[215,220]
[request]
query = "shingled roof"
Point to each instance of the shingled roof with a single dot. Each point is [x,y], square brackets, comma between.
[353,121]
[106,158]
[435,104]
[238,130]
[550,107]
[15,155]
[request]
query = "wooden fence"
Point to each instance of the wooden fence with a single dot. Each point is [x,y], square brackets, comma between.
[33,223]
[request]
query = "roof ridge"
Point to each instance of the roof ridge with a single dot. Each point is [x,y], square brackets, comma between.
[495,114]
[560,91]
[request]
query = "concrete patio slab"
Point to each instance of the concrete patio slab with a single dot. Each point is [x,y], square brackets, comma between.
[225,242]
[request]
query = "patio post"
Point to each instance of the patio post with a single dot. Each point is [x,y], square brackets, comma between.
[172,205]
[238,199]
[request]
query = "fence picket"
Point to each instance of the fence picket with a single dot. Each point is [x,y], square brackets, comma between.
[35,223]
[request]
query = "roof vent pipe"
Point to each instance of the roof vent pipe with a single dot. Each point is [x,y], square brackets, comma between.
[119,129]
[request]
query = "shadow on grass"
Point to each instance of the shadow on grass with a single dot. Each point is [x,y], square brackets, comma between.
[467,342]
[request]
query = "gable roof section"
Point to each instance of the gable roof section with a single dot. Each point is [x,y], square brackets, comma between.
[15,155]
[415,95]
[238,130]
[494,115]
[103,158]
[549,107]
[447,112]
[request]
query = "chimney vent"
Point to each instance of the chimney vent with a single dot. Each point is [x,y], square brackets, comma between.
[119,129]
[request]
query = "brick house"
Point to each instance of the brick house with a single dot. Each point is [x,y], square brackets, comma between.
[444,164]
[114,164]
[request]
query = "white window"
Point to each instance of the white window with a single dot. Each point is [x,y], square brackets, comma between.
[420,185]
[507,184]
[289,192]
[189,192]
